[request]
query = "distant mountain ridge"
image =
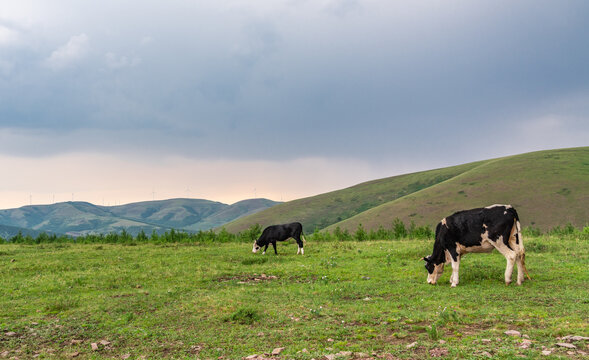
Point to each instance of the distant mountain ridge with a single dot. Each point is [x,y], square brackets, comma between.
[81,218]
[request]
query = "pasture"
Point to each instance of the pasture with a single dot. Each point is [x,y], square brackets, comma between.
[344,300]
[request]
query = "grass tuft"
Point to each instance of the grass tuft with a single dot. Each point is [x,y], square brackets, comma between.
[254,260]
[245,315]
[61,305]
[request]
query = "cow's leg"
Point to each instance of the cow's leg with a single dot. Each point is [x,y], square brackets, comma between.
[516,242]
[520,269]
[455,268]
[300,245]
[265,248]
[509,268]
[510,256]
[274,245]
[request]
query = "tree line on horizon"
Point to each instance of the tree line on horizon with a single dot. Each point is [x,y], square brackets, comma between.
[397,231]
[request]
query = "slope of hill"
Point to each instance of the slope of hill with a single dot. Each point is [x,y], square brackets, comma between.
[325,209]
[548,188]
[79,218]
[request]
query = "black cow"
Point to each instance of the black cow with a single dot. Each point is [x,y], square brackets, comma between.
[274,233]
[477,230]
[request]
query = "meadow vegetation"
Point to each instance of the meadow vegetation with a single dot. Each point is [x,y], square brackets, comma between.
[174,297]
[397,230]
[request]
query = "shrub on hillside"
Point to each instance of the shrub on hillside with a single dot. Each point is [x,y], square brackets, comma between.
[360,233]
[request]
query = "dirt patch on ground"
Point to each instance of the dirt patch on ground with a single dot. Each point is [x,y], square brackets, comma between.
[248,278]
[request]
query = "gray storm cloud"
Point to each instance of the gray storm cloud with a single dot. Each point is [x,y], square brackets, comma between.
[291,79]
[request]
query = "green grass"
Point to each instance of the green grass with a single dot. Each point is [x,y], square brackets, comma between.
[221,301]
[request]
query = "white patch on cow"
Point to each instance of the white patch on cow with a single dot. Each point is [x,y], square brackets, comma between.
[492,206]
[497,205]
[302,251]
[485,247]
[455,268]
[438,270]
[255,248]
[444,222]
[298,251]
[435,275]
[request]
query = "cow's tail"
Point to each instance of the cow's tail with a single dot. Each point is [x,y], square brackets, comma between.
[519,238]
[303,238]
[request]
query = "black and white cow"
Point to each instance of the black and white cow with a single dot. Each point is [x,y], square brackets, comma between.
[274,233]
[477,230]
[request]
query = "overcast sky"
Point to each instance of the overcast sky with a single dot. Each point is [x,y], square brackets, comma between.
[120,101]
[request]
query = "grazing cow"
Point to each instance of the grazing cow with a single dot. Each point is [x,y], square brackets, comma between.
[477,230]
[274,233]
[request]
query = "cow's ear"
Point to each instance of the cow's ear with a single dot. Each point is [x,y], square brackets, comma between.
[427,258]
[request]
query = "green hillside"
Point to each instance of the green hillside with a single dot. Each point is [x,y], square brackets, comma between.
[323,210]
[548,188]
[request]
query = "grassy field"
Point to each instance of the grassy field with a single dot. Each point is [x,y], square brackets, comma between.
[356,300]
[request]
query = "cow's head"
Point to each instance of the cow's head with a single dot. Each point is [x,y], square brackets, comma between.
[256,247]
[434,271]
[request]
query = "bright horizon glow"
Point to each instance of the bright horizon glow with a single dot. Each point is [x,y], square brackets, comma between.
[110,181]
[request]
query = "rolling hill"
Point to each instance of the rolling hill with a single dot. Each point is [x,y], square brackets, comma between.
[548,188]
[79,218]
[7,232]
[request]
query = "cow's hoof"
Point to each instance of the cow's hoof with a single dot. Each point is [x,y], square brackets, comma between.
[507,283]
[453,285]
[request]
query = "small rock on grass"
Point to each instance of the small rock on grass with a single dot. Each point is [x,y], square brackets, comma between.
[126,356]
[437,352]
[277,351]
[574,338]
[566,345]
[94,346]
[513,333]
[10,334]
[411,345]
